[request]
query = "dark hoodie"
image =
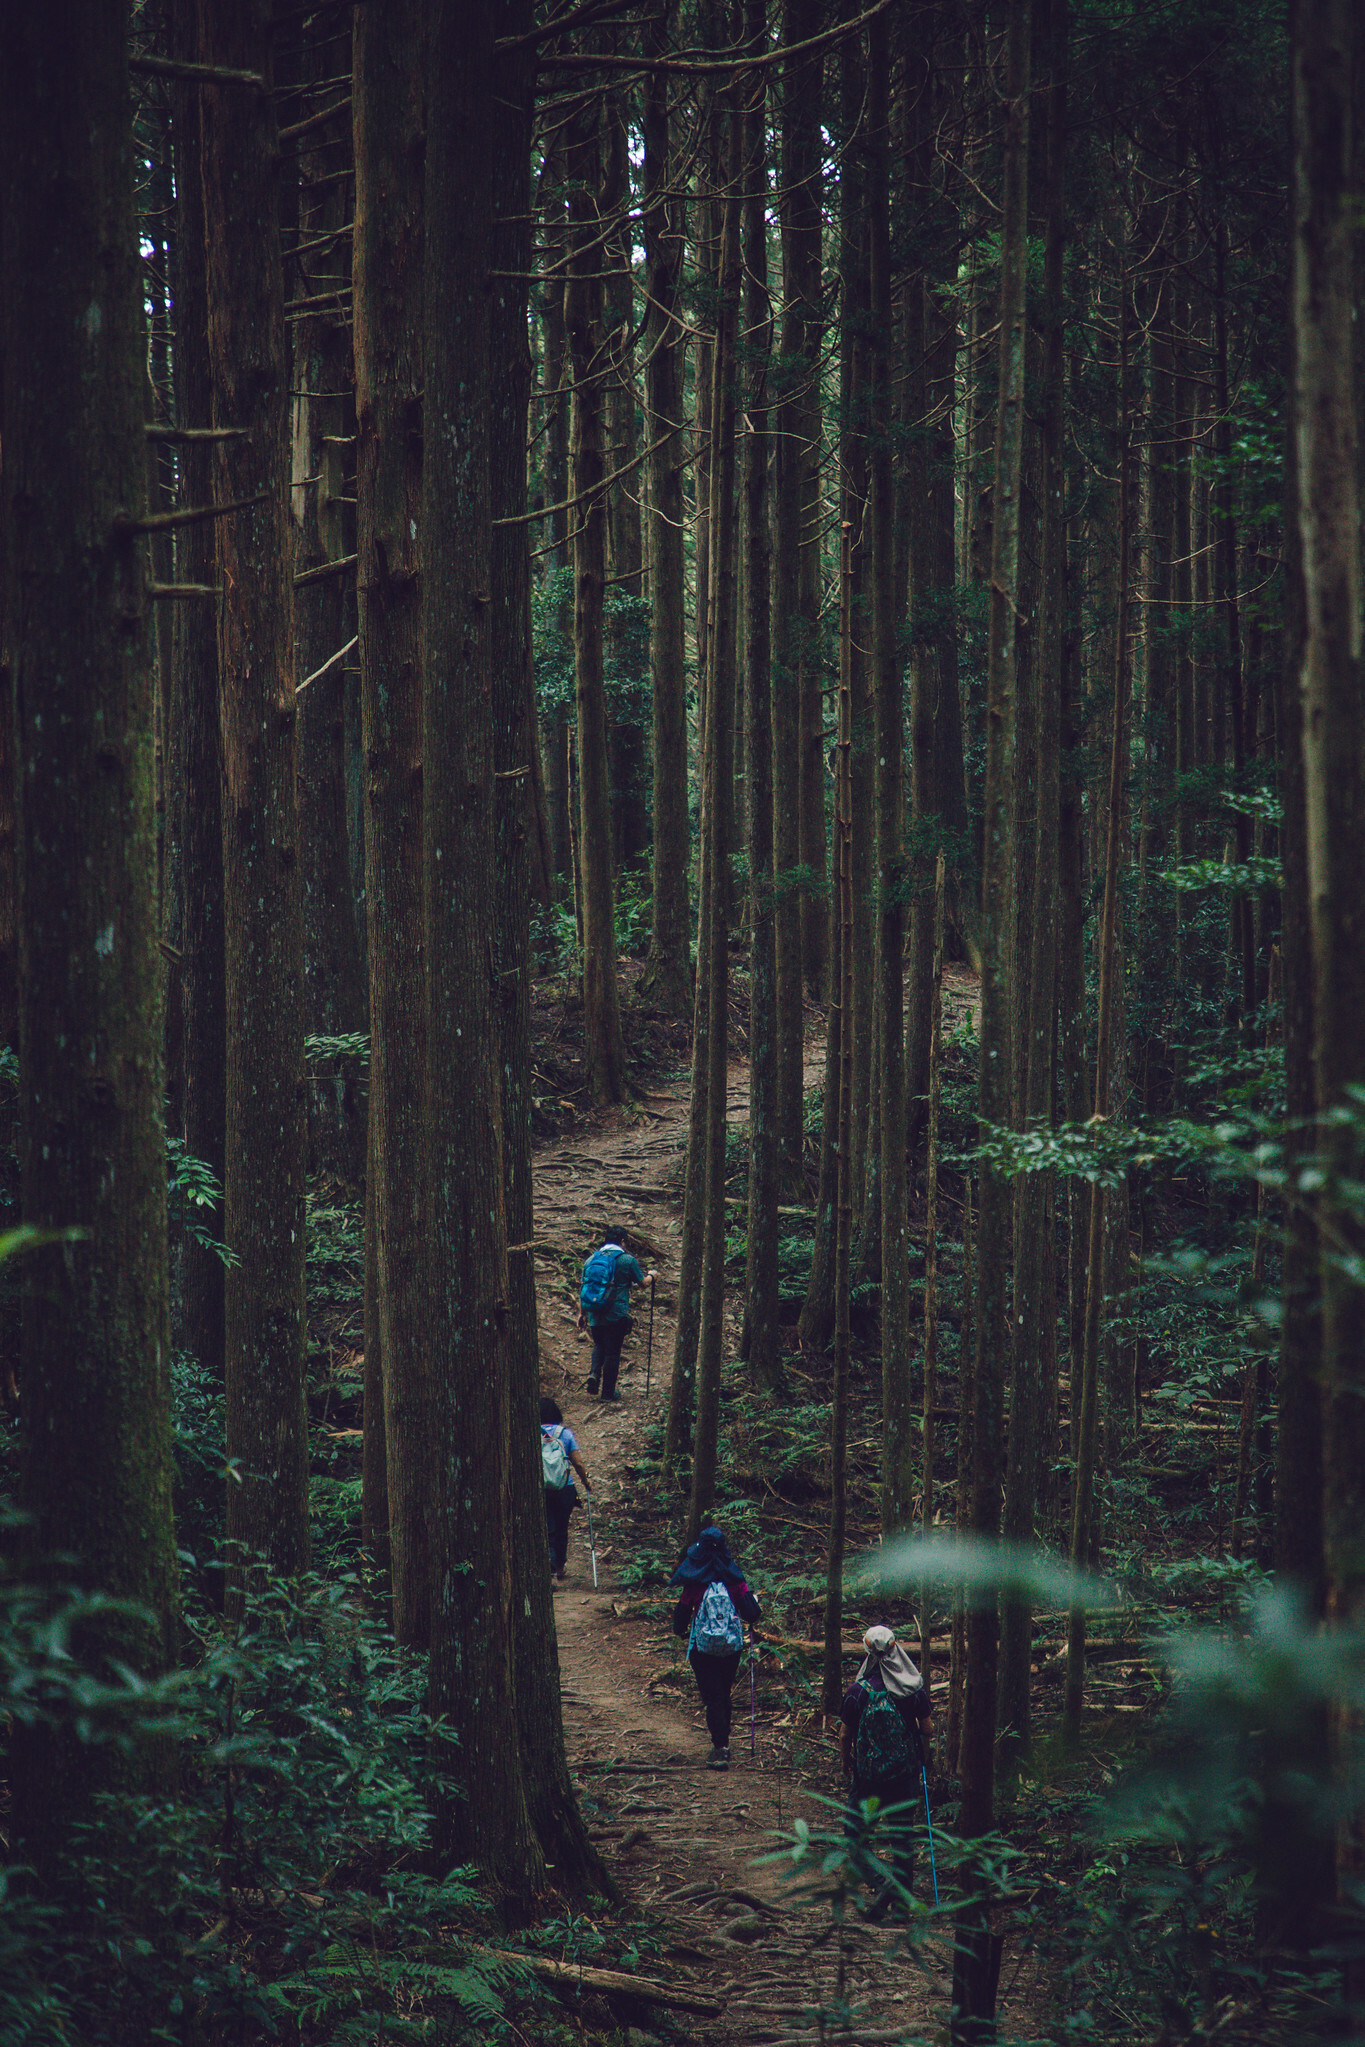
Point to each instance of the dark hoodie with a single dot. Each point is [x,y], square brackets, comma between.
[707,1560]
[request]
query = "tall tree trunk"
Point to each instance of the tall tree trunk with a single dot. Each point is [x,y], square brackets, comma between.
[1242,993]
[1086,1397]
[855,433]
[1295,1915]
[1330,736]
[96,1470]
[926,568]
[267,1434]
[719,793]
[555,391]
[802,242]
[898,1431]
[629,768]
[973,1974]
[765,1158]
[669,973]
[550,1794]
[197,744]
[928,1502]
[482,1815]
[604,1049]
[1033,1310]
[791,377]
[389,104]
[962,1489]
[334,993]
[832,1683]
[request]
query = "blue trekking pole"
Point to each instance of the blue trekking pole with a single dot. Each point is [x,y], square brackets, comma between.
[751,1688]
[924,1779]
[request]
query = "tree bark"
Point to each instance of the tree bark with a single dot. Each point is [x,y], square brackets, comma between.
[669,973]
[793,379]
[389,106]
[629,769]
[856,428]
[802,243]
[96,1445]
[973,1975]
[832,1685]
[1330,736]
[1033,1310]
[1295,1915]
[550,1794]
[334,992]
[719,792]
[898,1430]
[481,1810]
[765,1153]
[604,1049]
[267,1435]
[928,1503]
[194,697]
[1082,1509]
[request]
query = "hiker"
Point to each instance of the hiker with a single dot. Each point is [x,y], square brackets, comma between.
[885,1721]
[559,1451]
[711,1607]
[604,1308]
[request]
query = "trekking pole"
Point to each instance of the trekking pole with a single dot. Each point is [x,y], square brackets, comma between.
[593,1547]
[924,1778]
[751,1688]
[649,1347]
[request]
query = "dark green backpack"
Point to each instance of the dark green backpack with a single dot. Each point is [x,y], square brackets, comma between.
[881,1746]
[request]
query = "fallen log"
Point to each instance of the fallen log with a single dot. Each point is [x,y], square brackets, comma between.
[846,1648]
[612,1983]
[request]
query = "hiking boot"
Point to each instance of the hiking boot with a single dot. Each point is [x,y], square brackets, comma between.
[719,1758]
[560,1576]
[592,1388]
[613,1395]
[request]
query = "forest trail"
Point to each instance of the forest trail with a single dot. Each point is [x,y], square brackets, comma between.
[682,1839]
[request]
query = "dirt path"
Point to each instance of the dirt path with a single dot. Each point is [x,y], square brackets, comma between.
[680,1838]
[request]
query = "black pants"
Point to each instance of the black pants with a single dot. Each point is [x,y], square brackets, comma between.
[559,1504]
[892,1840]
[607,1338]
[715,1677]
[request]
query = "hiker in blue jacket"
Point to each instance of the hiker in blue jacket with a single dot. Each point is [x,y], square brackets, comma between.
[714,1603]
[604,1309]
[885,1722]
[560,1458]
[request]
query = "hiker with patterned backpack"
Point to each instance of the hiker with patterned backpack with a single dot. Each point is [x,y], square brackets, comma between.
[559,1459]
[604,1308]
[885,1722]
[714,1603]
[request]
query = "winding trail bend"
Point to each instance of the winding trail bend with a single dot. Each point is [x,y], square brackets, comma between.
[683,1840]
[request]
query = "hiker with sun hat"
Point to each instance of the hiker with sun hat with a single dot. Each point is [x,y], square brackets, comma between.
[885,1721]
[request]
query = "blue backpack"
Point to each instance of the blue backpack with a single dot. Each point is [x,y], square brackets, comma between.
[599,1276]
[717,1629]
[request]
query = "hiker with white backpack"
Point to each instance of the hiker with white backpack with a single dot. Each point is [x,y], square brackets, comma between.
[712,1607]
[885,1722]
[559,1459]
[604,1308]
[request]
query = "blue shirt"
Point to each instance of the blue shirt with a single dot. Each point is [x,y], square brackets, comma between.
[615,1305]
